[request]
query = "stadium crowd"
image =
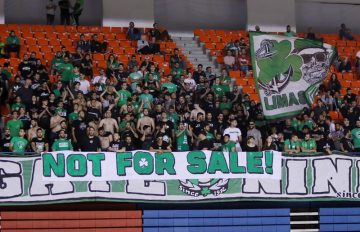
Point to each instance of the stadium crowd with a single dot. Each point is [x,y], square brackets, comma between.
[136,106]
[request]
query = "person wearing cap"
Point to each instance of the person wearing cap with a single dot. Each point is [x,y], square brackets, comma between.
[160,146]
[62,144]
[5,141]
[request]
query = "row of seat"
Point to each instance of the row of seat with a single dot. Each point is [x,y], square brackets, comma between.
[339,219]
[281,228]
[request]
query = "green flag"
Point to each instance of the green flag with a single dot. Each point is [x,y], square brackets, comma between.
[288,72]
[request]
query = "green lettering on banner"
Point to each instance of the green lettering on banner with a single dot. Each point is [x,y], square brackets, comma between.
[269,162]
[78,160]
[234,164]
[254,162]
[143,163]
[270,107]
[281,101]
[165,161]
[123,160]
[56,166]
[302,97]
[292,99]
[217,163]
[96,159]
[197,162]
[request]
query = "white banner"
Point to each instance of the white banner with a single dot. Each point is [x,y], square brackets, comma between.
[145,165]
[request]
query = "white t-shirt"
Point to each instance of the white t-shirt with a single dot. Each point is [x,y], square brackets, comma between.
[98,79]
[229,60]
[191,82]
[234,133]
[84,85]
[51,11]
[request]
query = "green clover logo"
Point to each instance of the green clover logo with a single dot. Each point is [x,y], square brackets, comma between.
[280,62]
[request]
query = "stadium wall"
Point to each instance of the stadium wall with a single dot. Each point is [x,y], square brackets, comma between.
[189,15]
[120,13]
[33,12]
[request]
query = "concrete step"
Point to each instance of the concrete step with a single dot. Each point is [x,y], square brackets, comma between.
[193,52]
[187,45]
[192,55]
[175,39]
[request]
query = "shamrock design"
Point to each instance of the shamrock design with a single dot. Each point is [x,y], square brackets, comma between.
[280,62]
[143,163]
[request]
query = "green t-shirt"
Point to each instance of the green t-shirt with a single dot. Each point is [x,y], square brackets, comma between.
[309,123]
[73,116]
[6,73]
[56,62]
[156,76]
[124,95]
[225,106]
[209,136]
[19,144]
[147,99]
[12,40]
[114,65]
[17,106]
[14,127]
[75,77]
[296,124]
[62,145]
[219,89]
[292,145]
[174,118]
[66,71]
[356,137]
[182,142]
[57,93]
[309,145]
[229,146]
[177,72]
[172,88]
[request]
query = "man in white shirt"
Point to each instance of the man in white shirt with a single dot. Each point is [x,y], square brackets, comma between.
[84,84]
[234,133]
[101,79]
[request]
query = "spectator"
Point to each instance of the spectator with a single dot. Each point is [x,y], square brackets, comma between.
[255,133]
[325,144]
[112,65]
[87,66]
[349,96]
[12,44]
[64,12]
[101,79]
[132,32]
[56,64]
[14,124]
[293,145]
[66,70]
[96,45]
[91,142]
[83,44]
[257,28]
[5,141]
[346,144]
[345,33]
[143,45]
[334,84]
[308,145]
[2,49]
[356,136]
[39,143]
[203,142]
[77,10]
[116,145]
[229,61]
[84,84]
[18,144]
[311,35]
[50,12]
[270,144]
[345,65]
[62,144]
[235,134]
[251,145]
[160,145]
[243,64]
[176,58]
[289,32]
